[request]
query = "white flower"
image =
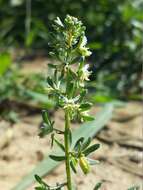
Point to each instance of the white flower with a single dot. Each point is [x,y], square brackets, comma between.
[82,49]
[85,73]
[85,113]
[59,22]
[83,41]
[70,104]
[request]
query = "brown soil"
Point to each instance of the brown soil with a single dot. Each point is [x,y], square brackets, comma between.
[120,167]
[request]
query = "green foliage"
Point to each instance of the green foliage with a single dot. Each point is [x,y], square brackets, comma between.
[97,186]
[19,88]
[114,32]
[79,155]
[44,186]
[47,126]
[5,62]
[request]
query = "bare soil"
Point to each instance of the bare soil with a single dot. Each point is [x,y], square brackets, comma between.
[120,154]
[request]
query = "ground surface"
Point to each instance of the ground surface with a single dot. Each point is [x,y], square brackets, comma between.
[120,154]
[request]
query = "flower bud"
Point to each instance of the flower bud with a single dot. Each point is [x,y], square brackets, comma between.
[84,164]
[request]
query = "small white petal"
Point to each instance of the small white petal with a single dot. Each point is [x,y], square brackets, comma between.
[84,42]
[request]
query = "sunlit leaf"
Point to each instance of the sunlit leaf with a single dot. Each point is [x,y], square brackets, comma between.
[91,149]
[98,185]
[5,62]
[57,158]
[59,144]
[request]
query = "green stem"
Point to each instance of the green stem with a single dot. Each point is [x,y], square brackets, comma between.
[66,140]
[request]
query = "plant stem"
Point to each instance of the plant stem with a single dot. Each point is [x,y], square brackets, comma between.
[66,140]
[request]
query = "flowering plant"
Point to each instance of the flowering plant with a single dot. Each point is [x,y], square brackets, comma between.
[66,87]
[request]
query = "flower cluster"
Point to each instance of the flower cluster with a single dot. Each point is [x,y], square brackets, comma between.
[69,42]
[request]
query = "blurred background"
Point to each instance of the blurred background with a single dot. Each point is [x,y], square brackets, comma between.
[114,31]
[115,34]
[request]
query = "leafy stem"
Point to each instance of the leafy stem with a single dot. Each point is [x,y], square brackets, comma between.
[66,86]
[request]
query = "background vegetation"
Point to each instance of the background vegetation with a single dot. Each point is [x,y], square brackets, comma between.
[114,30]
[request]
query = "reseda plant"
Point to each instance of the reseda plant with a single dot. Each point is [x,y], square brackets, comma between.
[67,88]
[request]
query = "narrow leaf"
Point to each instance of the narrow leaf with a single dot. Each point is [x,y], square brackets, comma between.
[40,181]
[85,106]
[78,144]
[98,185]
[45,116]
[51,65]
[87,118]
[50,82]
[45,130]
[86,144]
[57,158]
[91,149]
[73,164]
[59,144]
[73,167]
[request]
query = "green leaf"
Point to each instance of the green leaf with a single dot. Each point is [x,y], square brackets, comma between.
[45,129]
[86,130]
[87,118]
[47,126]
[86,144]
[30,38]
[45,116]
[69,89]
[57,158]
[85,106]
[40,188]
[5,62]
[98,185]
[73,164]
[51,65]
[38,179]
[52,139]
[72,167]
[50,82]
[59,144]
[43,186]
[91,149]
[82,94]
[78,143]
